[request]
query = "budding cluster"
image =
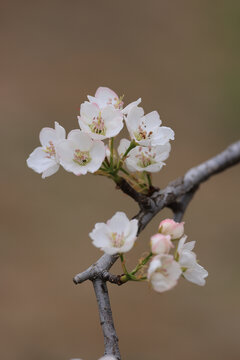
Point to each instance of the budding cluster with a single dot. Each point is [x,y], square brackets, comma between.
[118,236]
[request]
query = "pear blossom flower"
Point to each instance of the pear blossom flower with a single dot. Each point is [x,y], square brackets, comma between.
[100,123]
[160,244]
[118,235]
[172,228]
[80,154]
[44,159]
[192,271]
[163,272]
[105,97]
[146,129]
[140,158]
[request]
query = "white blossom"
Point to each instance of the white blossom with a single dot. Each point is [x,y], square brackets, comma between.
[163,272]
[192,271]
[160,244]
[105,97]
[141,158]
[80,154]
[172,228]
[44,159]
[116,236]
[146,129]
[100,123]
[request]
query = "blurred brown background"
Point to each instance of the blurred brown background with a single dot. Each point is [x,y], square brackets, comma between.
[182,58]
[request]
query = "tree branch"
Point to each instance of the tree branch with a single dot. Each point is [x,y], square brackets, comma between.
[106,318]
[177,195]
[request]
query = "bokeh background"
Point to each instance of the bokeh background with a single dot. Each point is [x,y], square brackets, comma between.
[182,58]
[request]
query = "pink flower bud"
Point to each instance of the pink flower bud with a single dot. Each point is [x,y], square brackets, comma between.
[172,228]
[161,244]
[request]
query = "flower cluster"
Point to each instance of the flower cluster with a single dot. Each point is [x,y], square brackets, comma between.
[165,269]
[118,236]
[102,117]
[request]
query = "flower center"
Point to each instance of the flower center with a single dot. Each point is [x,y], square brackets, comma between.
[50,150]
[97,125]
[145,158]
[117,240]
[141,133]
[81,158]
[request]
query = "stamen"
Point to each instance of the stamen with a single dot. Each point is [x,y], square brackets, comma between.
[119,102]
[97,125]
[50,150]
[81,158]
[117,240]
[145,159]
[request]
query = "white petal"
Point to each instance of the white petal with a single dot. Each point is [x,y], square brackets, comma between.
[196,275]
[133,119]
[127,245]
[190,245]
[104,93]
[154,265]
[181,244]
[113,121]
[88,111]
[60,131]
[92,99]
[100,236]
[80,139]
[133,229]
[162,152]
[39,162]
[66,149]
[50,171]
[46,135]
[187,258]
[97,154]
[162,135]
[152,119]
[130,106]
[119,223]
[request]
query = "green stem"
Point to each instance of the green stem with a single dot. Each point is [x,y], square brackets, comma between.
[124,171]
[141,264]
[131,146]
[149,180]
[123,265]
